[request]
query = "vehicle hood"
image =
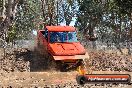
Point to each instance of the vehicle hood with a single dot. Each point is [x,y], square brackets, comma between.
[67,48]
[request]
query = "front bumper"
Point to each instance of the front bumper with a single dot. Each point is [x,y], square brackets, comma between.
[74,57]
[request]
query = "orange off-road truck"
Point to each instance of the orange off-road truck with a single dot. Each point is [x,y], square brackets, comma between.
[60,44]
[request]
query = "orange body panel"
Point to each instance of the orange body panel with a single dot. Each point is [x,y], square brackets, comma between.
[61,51]
[67,49]
[60,28]
[64,57]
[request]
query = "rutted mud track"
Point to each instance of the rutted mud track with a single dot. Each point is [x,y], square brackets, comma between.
[32,64]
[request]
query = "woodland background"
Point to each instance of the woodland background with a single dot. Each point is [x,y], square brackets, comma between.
[109,20]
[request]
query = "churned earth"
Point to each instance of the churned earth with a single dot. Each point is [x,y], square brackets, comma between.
[23,67]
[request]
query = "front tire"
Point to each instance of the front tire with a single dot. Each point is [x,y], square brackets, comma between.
[64,68]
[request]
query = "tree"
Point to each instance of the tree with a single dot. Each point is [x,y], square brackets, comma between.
[67,10]
[89,17]
[109,18]
[7,15]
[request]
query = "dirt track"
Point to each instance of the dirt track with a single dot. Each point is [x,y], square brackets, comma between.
[48,79]
[39,79]
[26,68]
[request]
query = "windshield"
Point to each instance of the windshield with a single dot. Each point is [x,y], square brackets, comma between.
[63,37]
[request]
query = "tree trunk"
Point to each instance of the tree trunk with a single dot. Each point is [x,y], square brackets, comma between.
[43,11]
[91,34]
[129,37]
[9,11]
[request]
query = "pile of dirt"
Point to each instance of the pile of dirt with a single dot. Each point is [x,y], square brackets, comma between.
[25,60]
[14,60]
[102,61]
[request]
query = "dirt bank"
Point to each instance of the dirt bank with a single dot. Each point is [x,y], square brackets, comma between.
[26,68]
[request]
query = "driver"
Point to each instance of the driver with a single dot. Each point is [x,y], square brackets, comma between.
[55,37]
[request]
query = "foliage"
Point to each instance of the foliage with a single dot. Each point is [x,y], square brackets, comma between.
[109,19]
[67,10]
